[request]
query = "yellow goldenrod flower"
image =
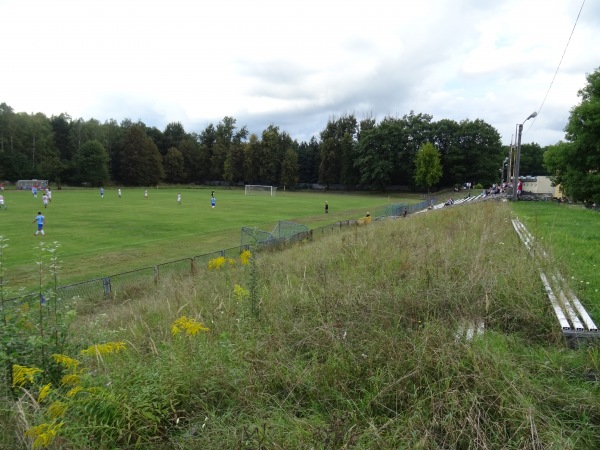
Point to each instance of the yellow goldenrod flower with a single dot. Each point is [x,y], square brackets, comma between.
[43,434]
[231,262]
[22,374]
[74,391]
[71,379]
[240,293]
[67,362]
[216,263]
[44,392]
[57,409]
[189,325]
[245,257]
[103,349]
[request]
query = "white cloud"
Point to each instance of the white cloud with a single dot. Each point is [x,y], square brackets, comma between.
[297,64]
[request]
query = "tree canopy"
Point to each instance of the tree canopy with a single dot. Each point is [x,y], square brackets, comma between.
[575,164]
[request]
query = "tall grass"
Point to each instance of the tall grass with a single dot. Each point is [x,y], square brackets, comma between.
[358,344]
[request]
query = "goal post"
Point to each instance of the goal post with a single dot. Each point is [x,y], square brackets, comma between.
[255,189]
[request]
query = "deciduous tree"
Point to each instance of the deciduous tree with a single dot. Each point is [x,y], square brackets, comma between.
[92,163]
[575,165]
[142,163]
[173,163]
[428,166]
[289,168]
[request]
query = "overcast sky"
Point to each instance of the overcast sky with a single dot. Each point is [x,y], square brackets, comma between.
[297,64]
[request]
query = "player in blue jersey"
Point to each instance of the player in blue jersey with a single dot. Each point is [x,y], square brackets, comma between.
[41,221]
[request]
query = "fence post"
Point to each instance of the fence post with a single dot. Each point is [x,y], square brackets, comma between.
[106,282]
[155,275]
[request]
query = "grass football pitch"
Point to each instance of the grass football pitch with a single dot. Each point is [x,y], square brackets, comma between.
[105,236]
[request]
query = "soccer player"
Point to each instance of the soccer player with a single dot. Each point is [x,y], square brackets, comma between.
[326,208]
[2,206]
[45,200]
[34,191]
[49,193]
[41,221]
[101,192]
[146,194]
[213,202]
[119,192]
[179,198]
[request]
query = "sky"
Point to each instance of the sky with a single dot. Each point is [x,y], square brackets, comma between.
[298,64]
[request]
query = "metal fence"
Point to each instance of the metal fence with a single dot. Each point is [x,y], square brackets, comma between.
[127,284]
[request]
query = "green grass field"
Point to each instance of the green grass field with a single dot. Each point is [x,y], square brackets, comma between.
[100,237]
[572,234]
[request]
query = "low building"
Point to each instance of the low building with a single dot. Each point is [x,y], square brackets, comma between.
[540,185]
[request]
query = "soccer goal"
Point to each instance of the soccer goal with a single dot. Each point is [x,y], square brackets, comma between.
[254,189]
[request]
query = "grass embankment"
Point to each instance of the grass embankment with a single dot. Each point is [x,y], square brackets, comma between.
[352,341]
[571,234]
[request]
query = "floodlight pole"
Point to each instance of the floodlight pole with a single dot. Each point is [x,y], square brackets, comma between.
[518,157]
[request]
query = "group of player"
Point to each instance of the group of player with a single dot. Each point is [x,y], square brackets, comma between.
[213,200]
[40,219]
[47,197]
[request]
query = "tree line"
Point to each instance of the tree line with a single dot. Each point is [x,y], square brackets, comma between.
[363,154]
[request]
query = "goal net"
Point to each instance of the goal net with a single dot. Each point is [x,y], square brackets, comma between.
[254,189]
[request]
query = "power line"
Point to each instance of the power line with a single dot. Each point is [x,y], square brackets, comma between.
[559,63]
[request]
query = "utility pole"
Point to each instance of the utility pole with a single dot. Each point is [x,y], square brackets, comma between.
[518,157]
[510,157]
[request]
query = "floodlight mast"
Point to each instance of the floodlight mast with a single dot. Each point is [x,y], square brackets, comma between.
[518,157]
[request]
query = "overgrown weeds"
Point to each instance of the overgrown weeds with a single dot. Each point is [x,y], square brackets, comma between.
[360,343]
